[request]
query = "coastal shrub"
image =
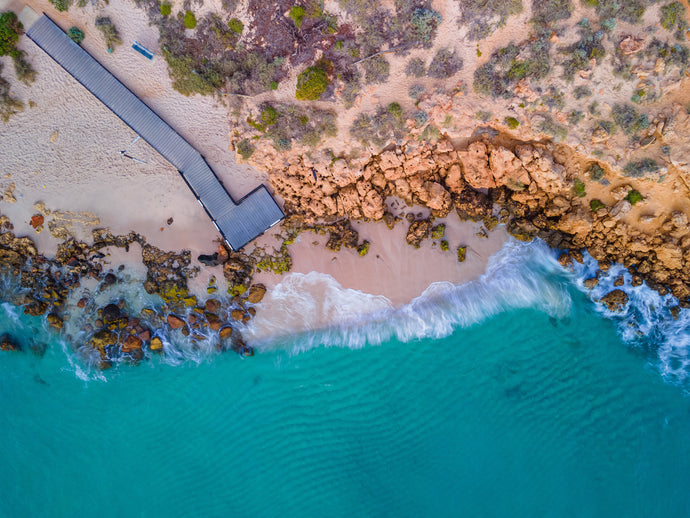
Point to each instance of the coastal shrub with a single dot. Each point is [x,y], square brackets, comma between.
[379,128]
[579,188]
[8,105]
[578,55]
[415,91]
[640,168]
[445,64]
[634,196]
[76,35]
[297,14]
[189,20]
[673,55]
[575,117]
[236,25]
[608,126]
[630,11]
[285,123]
[554,99]
[416,67]
[547,12]
[313,81]
[596,172]
[61,5]
[23,69]
[511,122]
[483,17]
[109,32]
[10,29]
[395,109]
[483,115]
[595,205]
[510,64]
[166,9]
[425,22]
[376,70]
[430,134]
[185,80]
[549,126]
[628,118]
[421,118]
[245,148]
[672,16]
[351,88]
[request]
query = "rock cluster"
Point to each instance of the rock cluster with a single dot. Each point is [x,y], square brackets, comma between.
[528,186]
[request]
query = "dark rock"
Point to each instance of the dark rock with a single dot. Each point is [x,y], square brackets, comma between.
[419,230]
[615,300]
[590,283]
[209,260]
[619,281]
[54,321]
[565,260]
[109,279]
[8,343]
[111,314]
[675,311]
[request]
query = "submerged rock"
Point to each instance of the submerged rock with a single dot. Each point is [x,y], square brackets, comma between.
[8,343]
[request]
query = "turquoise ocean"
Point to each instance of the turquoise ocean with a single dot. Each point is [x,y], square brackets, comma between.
[512,396]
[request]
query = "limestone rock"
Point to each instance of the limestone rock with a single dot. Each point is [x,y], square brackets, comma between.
[621,208]
[256,293]
[454,180]
[131,343]
[670,256]
[507,169]
[615,300]
[372,205]
[156,344]
[475,162]
[225,332]
[419,230]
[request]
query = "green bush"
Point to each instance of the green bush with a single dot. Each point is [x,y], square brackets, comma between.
[395,109]
[579,188]
[575,117]
[483,17]
[379,128]
[416,67]
[23,69]
[551,127]
[590,46]
[166,9]
[581,92]
[547,12]
[416,91]
[630,11]
[10,29]
[245,149]
[109,31]
[313,81]
[640,168]
[189,20]
[297,13]
[673,55]
[185,81]
[671,14]
[628,118]
[236,25]
[634,196]
[595,205]
[511,122]
[596,172]
[554,99]
[376,70]
[425,22]
[75,34]
[351,88]
[61,5]
[269,115]
[8,105]
[445,64]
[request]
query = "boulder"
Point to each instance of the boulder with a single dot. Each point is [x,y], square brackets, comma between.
[507,169]
[131,343]
[110,314]
[615,300]
[54,321]
[256,293]
[225,332]
[175,322]
[103,338]
[670,256]
[156,344]
[237,314]
[37,220]
[419,230]
[212,305]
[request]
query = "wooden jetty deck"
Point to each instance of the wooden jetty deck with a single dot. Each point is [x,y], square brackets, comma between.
[238,222]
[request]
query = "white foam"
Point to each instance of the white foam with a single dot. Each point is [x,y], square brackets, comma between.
[319,311]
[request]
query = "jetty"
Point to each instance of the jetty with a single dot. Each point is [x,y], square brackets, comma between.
[238,222]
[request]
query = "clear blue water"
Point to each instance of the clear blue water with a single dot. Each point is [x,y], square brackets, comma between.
[523,412]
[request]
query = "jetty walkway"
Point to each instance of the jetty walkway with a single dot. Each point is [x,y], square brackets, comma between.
[238,222]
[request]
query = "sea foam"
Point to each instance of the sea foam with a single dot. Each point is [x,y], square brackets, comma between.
[305,311]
